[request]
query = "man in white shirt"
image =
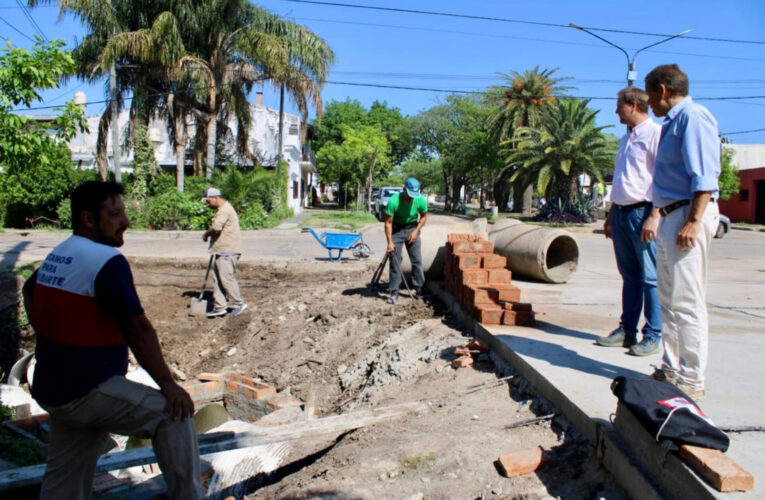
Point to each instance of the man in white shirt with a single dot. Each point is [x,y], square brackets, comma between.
[632,224]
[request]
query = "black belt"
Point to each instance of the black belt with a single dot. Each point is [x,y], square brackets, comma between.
[664,211]
[635,205]
[399,227]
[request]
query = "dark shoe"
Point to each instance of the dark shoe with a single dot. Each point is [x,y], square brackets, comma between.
[617,338]
[421,292]
[662,375]
[239,310]
[646,347]
[216,312]
[393,298]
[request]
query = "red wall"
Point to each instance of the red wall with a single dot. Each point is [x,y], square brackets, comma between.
[744,211]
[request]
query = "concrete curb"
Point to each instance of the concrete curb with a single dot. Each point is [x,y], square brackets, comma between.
[611,449]
[759,229]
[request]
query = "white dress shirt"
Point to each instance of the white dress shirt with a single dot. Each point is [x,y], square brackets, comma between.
[634,164]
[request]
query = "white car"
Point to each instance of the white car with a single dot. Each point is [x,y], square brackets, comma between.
[382,200]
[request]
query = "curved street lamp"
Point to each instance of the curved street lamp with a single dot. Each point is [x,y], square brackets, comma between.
[631,73]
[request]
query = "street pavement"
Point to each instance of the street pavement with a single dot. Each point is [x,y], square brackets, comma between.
[570,316]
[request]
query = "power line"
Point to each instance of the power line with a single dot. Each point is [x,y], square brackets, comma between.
[517,21]
[18,31]
[32,20]
[512,37]
[743,131]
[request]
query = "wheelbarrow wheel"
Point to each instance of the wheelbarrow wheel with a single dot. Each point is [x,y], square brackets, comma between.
[361,251]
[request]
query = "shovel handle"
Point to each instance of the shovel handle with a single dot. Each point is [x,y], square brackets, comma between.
[207,273]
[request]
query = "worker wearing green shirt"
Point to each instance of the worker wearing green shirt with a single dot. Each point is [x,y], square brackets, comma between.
[405,215]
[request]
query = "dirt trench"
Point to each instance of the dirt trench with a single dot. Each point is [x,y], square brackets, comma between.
[318,331]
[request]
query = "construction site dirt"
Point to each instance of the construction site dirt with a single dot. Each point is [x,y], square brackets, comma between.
[317,331]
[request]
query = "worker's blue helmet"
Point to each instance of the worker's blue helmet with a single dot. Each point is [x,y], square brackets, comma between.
[412,187]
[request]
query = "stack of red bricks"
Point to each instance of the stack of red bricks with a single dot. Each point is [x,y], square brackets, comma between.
[480,280]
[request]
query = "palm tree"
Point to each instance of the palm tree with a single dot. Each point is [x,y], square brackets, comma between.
[520,102]
[105,19]
[238,45]
[565,144]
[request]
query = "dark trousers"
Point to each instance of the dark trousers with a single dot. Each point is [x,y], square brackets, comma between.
[400,236]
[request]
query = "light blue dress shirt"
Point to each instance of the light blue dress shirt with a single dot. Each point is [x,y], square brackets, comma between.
[688,159]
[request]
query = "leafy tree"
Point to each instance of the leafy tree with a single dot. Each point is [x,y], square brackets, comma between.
[397,128]
[427,171]
[520,102]
[145,165]
[565,145]
[456,132]
[729,180]
[363,154]
[36,166]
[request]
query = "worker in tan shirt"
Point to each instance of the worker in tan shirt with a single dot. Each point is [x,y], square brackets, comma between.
[226,246]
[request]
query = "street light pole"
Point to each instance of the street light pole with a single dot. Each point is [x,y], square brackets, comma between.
[631,73]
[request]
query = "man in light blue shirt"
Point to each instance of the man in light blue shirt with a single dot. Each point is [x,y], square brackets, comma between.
[685,190]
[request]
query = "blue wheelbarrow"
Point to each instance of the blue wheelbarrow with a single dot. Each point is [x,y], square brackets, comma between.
[341,241]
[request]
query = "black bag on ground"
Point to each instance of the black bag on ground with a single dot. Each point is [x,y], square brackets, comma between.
[666,412]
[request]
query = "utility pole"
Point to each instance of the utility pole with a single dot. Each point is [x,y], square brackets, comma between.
[631,73]
[115,121]
[279,144]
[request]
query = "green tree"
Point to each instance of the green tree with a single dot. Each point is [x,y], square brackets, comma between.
[145,165]
[36,172]
[566,144]
[729,180]
[456,132]
[363,154]
[520,102]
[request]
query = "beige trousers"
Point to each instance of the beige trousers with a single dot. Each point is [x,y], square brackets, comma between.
[682,286]
[79,430]
[226,290]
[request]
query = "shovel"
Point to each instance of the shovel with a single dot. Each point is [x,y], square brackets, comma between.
[199,304]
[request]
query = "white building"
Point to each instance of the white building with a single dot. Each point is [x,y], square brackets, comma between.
[263,143]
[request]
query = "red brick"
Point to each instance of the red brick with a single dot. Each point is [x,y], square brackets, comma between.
[493,261]
[474,276]
[483,246]
[518,318]
[489,314]
[462,362]
[499,276]
[469,261]
[476,294]
[717,469]
[507,293]
[523,462]
[517,306]
[477,345]
[461,351]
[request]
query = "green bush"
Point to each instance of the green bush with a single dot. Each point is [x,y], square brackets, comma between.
[162,183]
[174,210]
[64,213]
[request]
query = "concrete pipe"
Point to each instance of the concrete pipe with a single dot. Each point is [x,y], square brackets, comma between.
[547,254]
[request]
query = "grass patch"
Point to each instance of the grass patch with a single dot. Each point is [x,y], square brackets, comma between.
[21,451]
[352,221]
[413,462]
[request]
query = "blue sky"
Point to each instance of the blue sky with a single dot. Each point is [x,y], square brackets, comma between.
[400,49]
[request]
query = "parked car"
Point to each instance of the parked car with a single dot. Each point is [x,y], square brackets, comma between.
[381,202]
[723,227]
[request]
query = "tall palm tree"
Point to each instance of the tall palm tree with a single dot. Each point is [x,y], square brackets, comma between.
[104,19]
[520,102]
[239,45]
[565,144]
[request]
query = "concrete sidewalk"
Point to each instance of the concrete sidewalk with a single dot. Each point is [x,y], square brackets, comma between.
[561,359]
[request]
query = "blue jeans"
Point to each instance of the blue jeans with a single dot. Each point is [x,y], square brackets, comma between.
[637,265]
